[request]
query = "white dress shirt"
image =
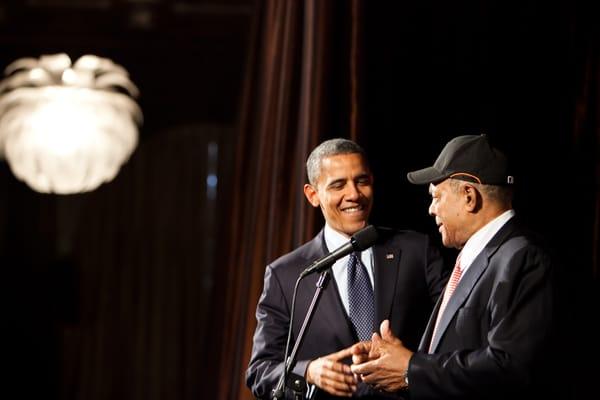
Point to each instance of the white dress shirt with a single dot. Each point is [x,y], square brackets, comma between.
[333,240]
[480,239]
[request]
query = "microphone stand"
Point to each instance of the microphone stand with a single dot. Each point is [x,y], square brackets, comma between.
[298,386]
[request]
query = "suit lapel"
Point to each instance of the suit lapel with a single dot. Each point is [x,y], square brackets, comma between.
[386,260]
[426,338]
[331,305]
[462,291]
[466,284]
[334,311]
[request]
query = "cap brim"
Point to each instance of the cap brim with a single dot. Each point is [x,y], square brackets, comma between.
[425,176]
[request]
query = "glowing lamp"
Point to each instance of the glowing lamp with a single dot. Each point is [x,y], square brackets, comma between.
[67,128]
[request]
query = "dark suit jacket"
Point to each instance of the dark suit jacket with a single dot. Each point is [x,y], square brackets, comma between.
[408,275]
[498,324]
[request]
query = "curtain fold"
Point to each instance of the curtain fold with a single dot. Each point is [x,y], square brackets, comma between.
[586,130]
[322,69]
[282,119]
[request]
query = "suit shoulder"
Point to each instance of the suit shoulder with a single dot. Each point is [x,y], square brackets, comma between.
[299,258]
[522,236]
[523,249]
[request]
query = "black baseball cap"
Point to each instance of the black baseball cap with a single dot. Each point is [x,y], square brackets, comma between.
[470,158]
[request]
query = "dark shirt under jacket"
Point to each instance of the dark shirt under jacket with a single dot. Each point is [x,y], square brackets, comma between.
[409,276]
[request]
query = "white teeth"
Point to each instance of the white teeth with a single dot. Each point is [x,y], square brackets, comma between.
[352,209]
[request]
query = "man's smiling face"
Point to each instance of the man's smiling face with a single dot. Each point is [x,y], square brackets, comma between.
[344,191]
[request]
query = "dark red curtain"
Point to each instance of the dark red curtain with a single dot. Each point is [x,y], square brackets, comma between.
[402,79]
[294,76]
[585,52]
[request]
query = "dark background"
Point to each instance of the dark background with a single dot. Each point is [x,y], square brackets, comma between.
[111,294]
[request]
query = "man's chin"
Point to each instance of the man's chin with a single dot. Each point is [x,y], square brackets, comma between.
[352,228]
[449,244]
[446,242]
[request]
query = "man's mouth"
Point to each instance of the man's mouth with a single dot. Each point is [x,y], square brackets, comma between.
[353,209]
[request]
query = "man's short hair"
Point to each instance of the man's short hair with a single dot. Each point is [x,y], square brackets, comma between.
[328,148]
[502,194]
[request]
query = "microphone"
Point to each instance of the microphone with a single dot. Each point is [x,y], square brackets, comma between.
[360,241]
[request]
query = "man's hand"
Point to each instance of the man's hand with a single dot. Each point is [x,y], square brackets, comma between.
[329,374]
[361,353]
[383,362]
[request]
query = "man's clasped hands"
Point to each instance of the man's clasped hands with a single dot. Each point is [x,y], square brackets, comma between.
[381,363]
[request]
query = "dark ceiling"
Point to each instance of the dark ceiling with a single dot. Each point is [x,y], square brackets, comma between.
[186,57]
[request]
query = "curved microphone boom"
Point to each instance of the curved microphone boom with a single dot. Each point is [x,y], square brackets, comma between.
[360,241]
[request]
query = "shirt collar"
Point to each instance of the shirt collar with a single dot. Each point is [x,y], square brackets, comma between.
[333,238]
[480,239]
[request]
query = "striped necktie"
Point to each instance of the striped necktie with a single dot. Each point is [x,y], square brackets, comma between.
[450,287]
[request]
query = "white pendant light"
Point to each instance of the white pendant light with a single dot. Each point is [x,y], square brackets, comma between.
[67,128]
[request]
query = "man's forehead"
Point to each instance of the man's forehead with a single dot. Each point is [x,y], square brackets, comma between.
[435,188]
[343,158]
[432,188]
[330,176]
[344,162]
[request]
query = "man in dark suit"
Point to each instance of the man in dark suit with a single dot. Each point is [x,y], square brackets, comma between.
[490,333]
[403,273]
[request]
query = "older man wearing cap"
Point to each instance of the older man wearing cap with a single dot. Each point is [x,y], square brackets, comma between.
[490,333]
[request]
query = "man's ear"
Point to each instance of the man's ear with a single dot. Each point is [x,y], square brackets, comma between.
[472,197]
[311,195]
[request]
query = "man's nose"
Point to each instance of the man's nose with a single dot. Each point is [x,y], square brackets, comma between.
[352,191]
[431,210]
